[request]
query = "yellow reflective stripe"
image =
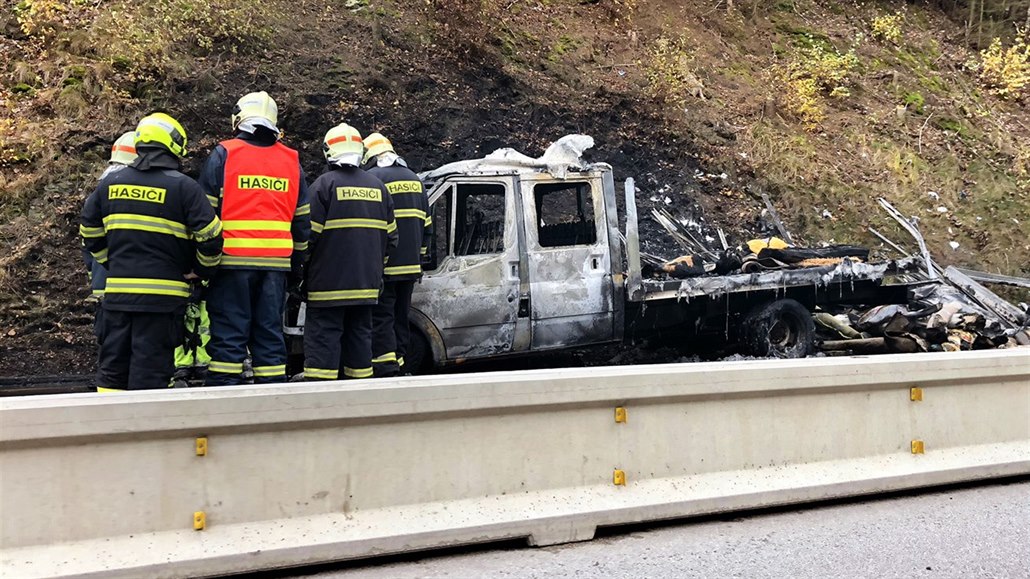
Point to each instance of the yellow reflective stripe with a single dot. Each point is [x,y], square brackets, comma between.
[265,224]
[98,292]
[263,243]
[138,285]
[212,200]
[391,227]
[91,231]
[423,251]
[387,357]
[402,269]
[353,294]
[317,227]
[100,256]
[225,367]
[269,371]
[304,209]
[415,213]
[400,361]
[208,260]
[137,222]
[325,373]
[353,222]
[255,261]
[300,246]
[210,231]
[102,389]
[357,372]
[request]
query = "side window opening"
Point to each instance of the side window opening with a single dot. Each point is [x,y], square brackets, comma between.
[565,214]
[479,222]
[440,242]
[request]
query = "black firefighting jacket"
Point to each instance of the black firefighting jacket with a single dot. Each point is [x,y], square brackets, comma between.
[150,225]
[410,208]
[352,231]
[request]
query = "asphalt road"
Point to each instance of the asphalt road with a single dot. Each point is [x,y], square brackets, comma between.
[959,532]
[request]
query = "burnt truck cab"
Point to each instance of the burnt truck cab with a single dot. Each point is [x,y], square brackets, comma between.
[520,260]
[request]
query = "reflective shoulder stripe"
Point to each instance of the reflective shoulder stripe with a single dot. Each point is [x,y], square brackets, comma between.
[146,286]
[149,223]
[402,269]
[354,294]
[354,222]
[91,231]
[209,231]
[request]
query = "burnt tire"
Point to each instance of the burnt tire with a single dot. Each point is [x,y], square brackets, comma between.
[417,360]
[779,329]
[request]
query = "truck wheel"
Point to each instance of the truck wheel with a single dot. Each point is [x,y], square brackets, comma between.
[417,358]
[779,329]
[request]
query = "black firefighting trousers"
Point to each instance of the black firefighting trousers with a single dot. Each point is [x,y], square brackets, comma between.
[338,343]
[390,332]
[137,349]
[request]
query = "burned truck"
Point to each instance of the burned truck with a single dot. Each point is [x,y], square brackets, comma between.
[527,256]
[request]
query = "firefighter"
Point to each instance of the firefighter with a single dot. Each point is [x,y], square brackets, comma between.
[352,231]
[153,230]
[123,152]
[258,187]
[390,331]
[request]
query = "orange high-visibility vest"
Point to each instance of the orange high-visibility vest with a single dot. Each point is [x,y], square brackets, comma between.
[259,199]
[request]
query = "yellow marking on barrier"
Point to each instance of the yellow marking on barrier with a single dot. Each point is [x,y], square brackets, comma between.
[199,521]
[917,447]
[201,446]
[620,415]
[915,394]
[619,478]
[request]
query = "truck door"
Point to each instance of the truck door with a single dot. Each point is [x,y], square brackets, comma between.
[472,293]
[571,299]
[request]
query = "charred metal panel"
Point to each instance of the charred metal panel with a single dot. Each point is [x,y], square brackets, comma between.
[572,299]
[816,277]
[473,299]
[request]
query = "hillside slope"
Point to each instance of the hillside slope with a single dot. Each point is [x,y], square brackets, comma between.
[823,105]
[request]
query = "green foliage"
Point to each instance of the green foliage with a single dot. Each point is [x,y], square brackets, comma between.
[888,27]
[670,74]
[565,43]
[915,102]
[1006,71]
[813,74]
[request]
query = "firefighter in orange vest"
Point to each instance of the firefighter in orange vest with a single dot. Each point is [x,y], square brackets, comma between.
[258,188]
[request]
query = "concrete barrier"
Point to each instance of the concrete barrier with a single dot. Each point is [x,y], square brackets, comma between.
[116,484]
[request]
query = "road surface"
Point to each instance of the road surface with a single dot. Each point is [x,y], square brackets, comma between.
[980,531]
